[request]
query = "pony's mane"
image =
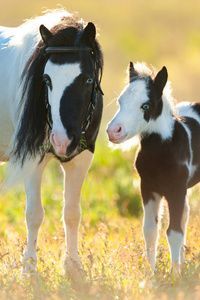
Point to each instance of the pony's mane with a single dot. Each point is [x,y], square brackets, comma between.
[33,129]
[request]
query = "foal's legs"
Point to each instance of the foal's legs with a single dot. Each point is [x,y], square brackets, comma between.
[184,222]
[178,211]
[75,173]
[150,226]
[34,216]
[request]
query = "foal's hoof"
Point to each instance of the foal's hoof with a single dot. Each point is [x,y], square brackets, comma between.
[73,270]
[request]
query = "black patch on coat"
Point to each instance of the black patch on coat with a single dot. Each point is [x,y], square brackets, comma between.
[155,101]
[194,128]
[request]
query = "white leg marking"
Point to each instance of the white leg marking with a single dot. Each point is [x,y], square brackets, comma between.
[150,228]
[184,222]
[34,216]
[75,173]
[176,241]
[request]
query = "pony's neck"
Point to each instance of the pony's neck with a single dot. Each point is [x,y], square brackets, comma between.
[164,124]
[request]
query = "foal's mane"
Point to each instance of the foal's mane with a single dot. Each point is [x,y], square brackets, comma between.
[147,73]
[33,129]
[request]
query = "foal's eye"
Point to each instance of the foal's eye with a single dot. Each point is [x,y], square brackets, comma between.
[89,80]
[145,106]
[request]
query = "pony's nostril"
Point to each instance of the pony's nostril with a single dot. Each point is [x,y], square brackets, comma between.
[119,129]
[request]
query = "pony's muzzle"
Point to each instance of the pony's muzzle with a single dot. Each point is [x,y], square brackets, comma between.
[60,143]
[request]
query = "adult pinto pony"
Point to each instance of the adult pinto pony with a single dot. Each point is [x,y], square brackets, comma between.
[168,160]
[51,107]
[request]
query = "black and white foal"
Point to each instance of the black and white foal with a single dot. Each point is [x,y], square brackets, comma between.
[51,107]
[168,160]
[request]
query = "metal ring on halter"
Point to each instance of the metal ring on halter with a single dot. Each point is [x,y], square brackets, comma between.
[86,127]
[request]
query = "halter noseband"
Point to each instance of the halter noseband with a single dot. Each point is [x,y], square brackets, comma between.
[96,86]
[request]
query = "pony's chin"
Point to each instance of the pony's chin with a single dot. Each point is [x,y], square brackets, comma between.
[119,140]
[64,155]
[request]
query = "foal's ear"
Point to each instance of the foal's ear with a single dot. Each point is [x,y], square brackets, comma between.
[89,33]
[45,34]
[161,80]
[132,73]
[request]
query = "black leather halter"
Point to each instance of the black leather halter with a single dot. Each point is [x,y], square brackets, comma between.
[96,86]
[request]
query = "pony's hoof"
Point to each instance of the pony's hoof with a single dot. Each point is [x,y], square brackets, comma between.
[28,265]
[175,271]
[73,270]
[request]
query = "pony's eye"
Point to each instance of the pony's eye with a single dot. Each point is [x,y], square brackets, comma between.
[47,80]
[145,106]
[89,80]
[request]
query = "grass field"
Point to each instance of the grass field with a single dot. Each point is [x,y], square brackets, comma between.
[111,242]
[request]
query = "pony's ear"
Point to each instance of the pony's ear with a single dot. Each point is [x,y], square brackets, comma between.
[132,73]
[161,80]
[89,33]
[45,34]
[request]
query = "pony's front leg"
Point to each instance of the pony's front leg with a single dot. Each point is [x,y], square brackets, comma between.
[34,216]
[75,172]
[151,204]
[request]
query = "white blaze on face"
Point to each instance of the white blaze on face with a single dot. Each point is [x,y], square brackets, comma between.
[130,116]
[62,76]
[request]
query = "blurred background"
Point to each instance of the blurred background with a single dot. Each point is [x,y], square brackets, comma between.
[157,32]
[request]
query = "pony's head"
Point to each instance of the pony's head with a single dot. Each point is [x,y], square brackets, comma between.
[70,78]
[61,78]
[140,103]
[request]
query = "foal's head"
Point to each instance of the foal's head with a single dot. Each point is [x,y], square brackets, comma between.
[140,103]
